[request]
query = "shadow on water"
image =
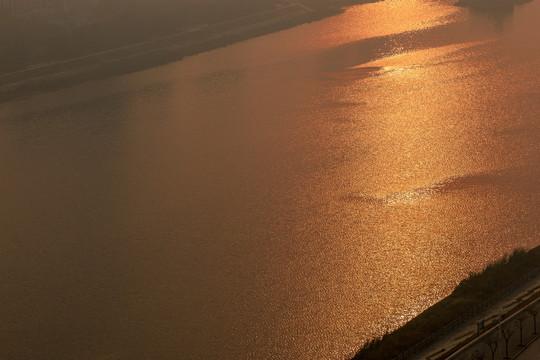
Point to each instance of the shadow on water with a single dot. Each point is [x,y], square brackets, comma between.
[333,61]
[499,17]
[511,180]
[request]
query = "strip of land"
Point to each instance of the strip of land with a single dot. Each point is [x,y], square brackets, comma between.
[445,327]
[156,52]
[507,313]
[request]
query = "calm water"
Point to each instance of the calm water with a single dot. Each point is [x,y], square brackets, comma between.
[287,197]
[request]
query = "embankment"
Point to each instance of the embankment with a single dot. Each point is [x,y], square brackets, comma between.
[159,51]
[469,294]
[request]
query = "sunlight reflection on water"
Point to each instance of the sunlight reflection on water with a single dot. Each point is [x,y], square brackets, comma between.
[287,197]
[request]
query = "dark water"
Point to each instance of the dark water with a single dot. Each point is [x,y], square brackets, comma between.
[287,197]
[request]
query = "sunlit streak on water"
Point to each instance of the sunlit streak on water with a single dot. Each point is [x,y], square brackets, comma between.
[406,60]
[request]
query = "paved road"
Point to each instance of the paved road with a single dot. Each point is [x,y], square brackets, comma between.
[489,315]
[532,352]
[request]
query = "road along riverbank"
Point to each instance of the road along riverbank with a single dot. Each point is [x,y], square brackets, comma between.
[499,282]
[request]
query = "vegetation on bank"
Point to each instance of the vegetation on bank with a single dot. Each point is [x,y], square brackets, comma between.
[471,292]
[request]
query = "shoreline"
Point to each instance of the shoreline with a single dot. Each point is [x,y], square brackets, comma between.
[494,5]
[470,296]
[161,51]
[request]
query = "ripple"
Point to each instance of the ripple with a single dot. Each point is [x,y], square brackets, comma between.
[441,187]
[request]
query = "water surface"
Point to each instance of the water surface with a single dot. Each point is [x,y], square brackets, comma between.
[287,197]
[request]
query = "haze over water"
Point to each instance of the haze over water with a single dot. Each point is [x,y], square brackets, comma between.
[287,197]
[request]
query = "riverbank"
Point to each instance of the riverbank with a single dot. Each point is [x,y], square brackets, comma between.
[490,5]
[470,294]
[160,51]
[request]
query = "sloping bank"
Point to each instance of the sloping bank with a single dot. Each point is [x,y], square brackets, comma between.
[160,51]
[469,294]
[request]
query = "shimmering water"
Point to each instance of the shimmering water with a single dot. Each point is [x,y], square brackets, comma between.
[287,197]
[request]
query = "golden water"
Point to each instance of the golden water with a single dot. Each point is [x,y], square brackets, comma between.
[287,197]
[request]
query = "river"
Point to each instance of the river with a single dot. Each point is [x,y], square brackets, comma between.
[286,197]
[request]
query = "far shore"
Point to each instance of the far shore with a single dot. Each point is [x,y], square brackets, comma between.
[140,56]
[491,5]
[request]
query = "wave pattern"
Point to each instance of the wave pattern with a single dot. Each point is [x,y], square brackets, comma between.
[446,185]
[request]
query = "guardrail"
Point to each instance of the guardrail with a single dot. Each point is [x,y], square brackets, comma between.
[475,341]
[465,317]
